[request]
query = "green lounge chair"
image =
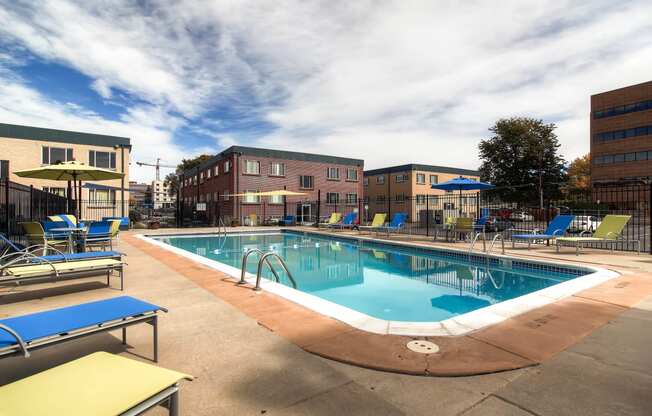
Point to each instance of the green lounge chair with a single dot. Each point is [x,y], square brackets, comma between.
[335,218]
[609,231]
[376,223]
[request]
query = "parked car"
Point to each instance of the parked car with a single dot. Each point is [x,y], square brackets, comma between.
[497,224]
[584,223]
[521,216]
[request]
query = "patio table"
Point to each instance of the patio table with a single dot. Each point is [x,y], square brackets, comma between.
[75,234]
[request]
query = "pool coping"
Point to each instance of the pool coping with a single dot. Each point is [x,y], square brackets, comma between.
[460,325]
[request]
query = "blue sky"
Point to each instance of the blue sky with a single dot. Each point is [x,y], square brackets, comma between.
[388,81]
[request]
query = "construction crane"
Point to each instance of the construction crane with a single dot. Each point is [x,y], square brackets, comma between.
[158,167]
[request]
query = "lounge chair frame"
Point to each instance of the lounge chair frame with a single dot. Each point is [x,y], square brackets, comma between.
[24,348]
[578,244]
[67,275]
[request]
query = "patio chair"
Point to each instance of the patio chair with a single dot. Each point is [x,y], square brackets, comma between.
[99,384]
[395,225]
[556,228]
[37,236]
[349,221]
[22,334]
[609,232]
[377,222]
[463,227]
[48,271]
[99,235]
[480,224]
[288,220]
[8,247]
[335,218]
[70,220]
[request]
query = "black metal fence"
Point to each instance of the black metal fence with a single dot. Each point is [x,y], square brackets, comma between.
[427,213]
[20,203]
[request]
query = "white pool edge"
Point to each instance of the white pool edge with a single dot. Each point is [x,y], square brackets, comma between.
[459,325]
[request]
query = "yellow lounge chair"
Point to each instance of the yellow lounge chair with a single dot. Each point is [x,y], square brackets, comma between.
[335,218]
[69,269]
[377,222]
[36,236]
[71,220]
[99,384]
[609,231]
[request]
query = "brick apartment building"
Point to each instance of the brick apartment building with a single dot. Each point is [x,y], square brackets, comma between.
[336,181]
[25,147]
[621,135]
[404,189]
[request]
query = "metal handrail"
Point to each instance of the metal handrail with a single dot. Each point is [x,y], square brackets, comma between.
[243,269]
[221,227]
[475,238]
[281,261]
[493,242]
[19,340]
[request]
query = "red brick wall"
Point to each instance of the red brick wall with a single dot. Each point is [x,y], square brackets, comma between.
[623,96]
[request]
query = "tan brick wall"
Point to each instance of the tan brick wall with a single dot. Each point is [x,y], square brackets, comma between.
[27,154]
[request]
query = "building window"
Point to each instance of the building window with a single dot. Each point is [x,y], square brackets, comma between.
[401,178]
[434,179]
[104,160]
[277,169]
[252,167]
[380,199]
[227,166]
[365,181]
[306,182]
[208,173]
[421,178]
[333,174]
[276,199]
[352,175]
[250,197]
[201,177]
[351,199]
[623,109]
[622,134]
[623,157]
[52,155]
[226,195]
[102,196]
[216,170]
[399,198]
[55,191]
[380,179]
[332,197]
[421,199]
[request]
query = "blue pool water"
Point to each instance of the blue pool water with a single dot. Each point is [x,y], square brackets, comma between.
[384,281]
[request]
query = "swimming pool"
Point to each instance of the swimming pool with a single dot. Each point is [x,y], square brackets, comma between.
[410,286]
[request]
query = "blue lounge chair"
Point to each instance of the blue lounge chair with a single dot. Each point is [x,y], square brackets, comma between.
[288,220]
[21,334]
[480,224]
[396,224]
[348,221]
[7,246]
[556,228]
[99,234]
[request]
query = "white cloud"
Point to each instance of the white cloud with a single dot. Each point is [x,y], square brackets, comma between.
[391,82]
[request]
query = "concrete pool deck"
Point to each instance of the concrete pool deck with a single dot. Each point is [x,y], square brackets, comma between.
[244,368]
[521,341]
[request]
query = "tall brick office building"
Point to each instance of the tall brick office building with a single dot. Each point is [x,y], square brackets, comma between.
[621,135]
[337,181]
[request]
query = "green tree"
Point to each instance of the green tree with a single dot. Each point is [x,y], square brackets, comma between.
[172,179]
[522,160]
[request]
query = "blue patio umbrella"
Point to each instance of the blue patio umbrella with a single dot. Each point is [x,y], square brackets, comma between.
[462,184]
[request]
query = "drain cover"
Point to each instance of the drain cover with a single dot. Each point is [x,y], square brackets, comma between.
[423,347]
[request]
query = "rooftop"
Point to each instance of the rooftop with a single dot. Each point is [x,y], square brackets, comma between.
[15,131]
[420,167]
[280,154]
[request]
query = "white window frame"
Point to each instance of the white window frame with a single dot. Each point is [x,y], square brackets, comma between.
[329,199]
[436,179]
[348,174]
[255,164]
[227,166]
[353,200]
[422,175]
[272,165]
[330,170]
[276,200]
[65,152]
[251,199]
[365,182]
[92,159]
[380,180]
[312,181]
[400,178]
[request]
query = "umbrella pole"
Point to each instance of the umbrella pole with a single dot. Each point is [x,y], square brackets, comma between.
[69,206]
[460,203]
[80,201]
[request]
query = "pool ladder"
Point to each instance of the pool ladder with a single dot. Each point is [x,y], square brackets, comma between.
[221,227]
[484,243]
[264,258]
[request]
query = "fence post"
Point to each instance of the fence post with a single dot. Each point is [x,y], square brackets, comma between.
[7,206]
[318,208]
[649,205]
[427,215]
[31,202]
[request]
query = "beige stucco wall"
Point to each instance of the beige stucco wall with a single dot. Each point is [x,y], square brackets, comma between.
[27,154]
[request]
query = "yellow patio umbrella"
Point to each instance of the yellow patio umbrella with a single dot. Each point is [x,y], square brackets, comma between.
[281,192]
[70,171]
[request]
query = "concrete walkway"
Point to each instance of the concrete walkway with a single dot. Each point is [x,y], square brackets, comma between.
[243,368]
